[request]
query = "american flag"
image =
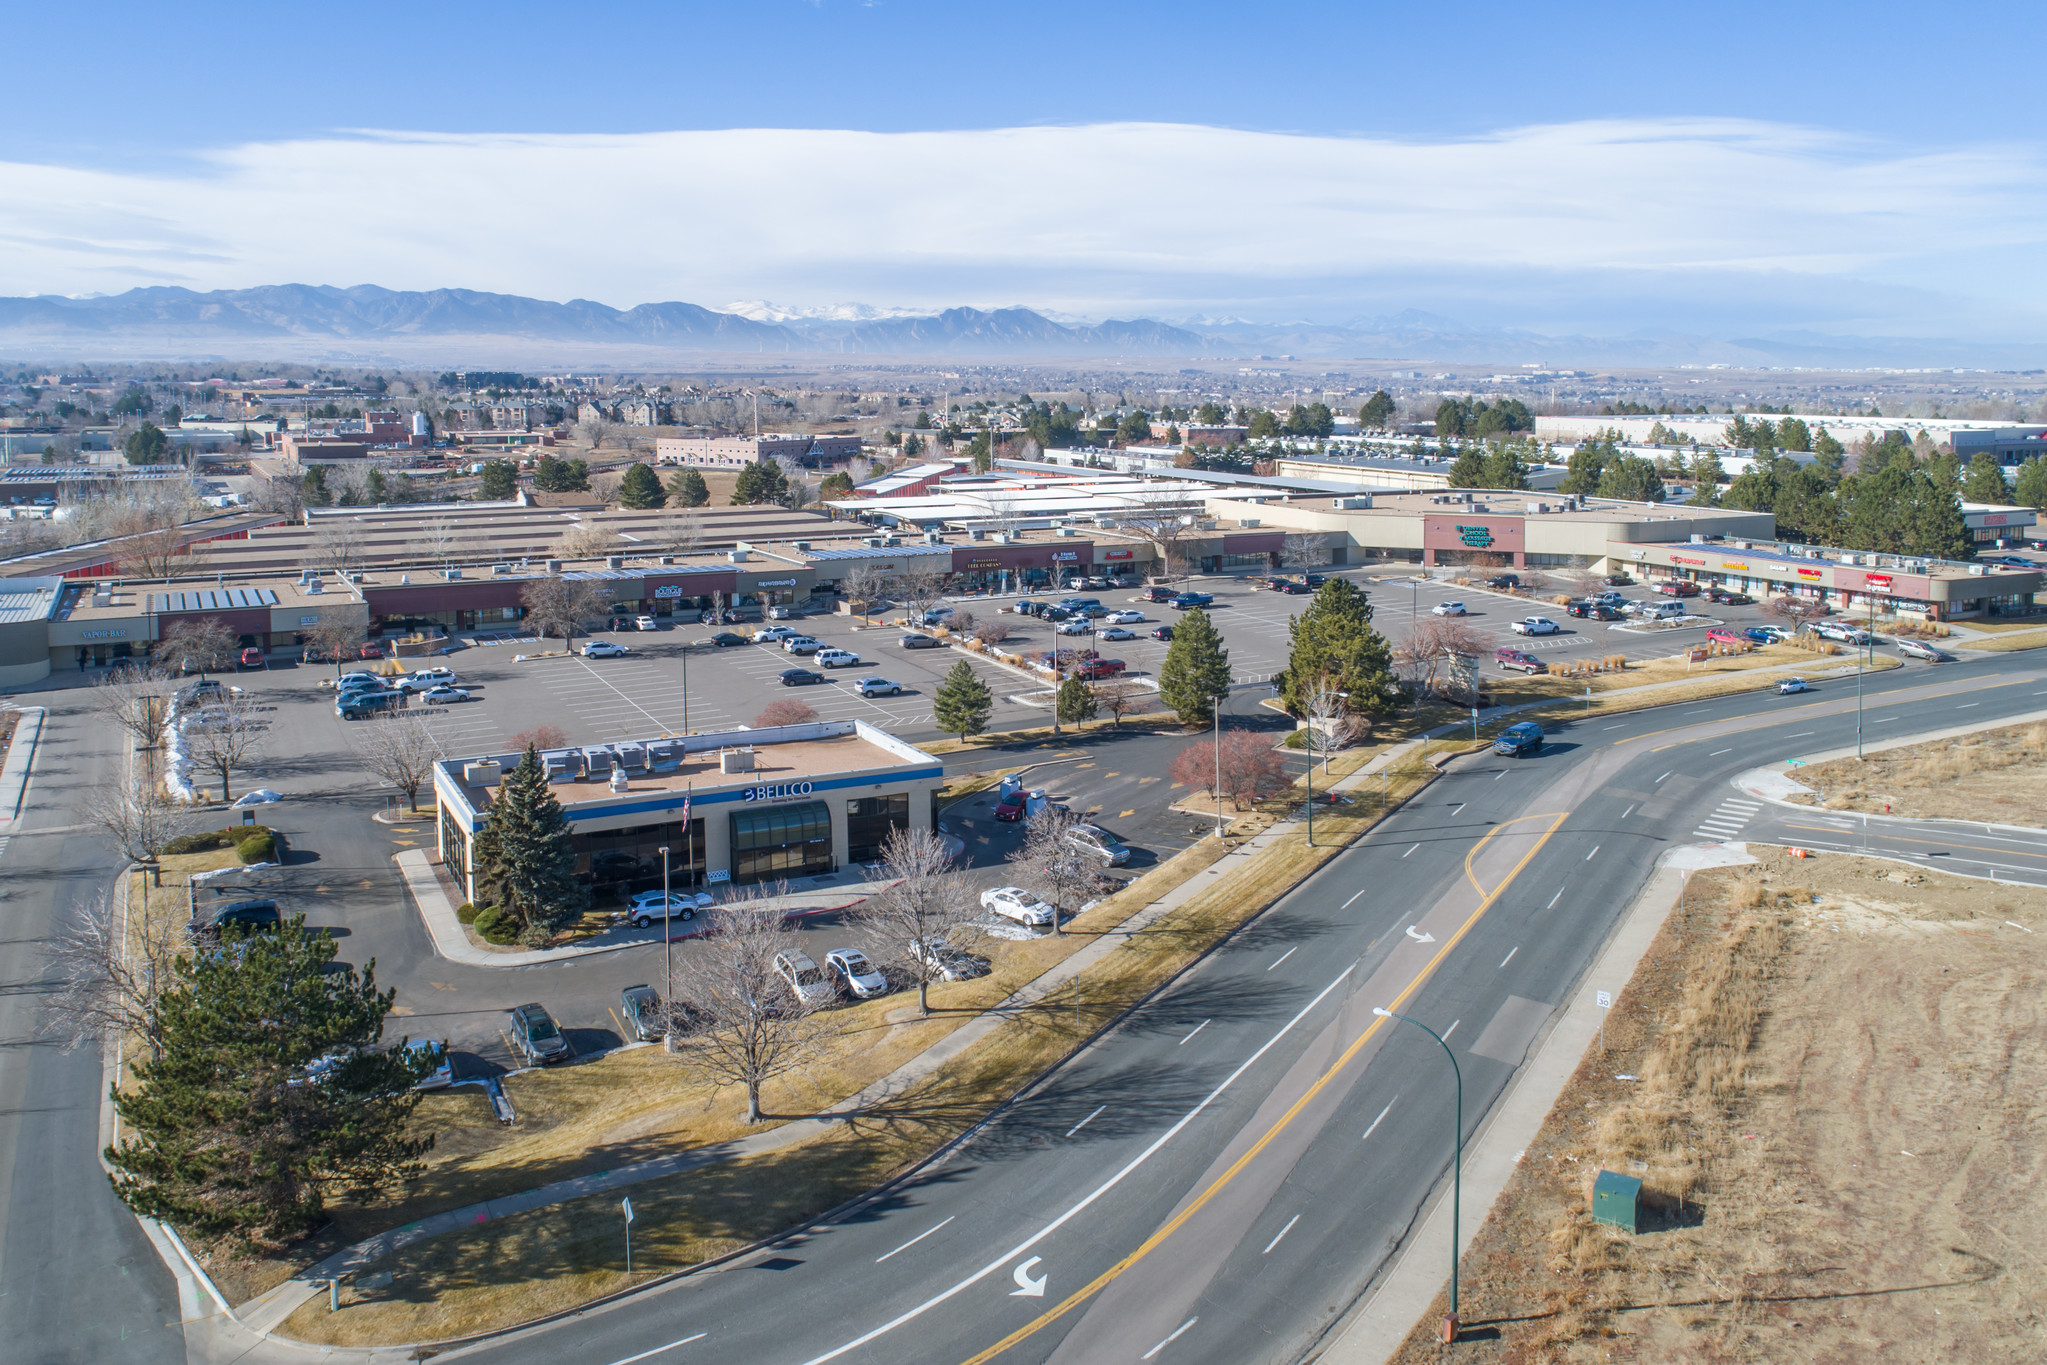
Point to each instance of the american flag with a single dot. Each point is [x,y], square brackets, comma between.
[685,809]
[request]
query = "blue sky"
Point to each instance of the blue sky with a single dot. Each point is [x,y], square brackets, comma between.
[1827,166]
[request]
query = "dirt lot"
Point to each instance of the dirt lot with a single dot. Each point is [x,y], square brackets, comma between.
[1997,775]
[1838,1121]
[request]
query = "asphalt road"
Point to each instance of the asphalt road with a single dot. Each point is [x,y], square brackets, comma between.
[1217,1179]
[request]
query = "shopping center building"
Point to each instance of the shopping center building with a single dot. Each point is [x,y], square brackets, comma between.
[774,804]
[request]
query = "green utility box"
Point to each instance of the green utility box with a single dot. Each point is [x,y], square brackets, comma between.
[1615,1199]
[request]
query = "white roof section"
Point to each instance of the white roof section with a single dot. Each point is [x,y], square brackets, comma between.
[1029,499]
[902,478]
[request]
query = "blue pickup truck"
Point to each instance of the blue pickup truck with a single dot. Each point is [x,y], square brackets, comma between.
[1524,737]
[1187,601]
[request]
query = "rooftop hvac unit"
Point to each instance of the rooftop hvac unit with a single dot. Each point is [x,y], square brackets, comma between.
[735,761]
[554,566]
[500,568]
[891,542]
[1698,539]
[1065,530]
[1355,504]
[872,542]
[666,559]
[481,774]
[977,534]
[736,556]
[358,578]
[452,573]
[1977,570]
[1537,508]
[313,589]
[802,545]
[1248,523]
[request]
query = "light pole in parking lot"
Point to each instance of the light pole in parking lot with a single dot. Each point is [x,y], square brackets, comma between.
[1456,1162]
[667,968]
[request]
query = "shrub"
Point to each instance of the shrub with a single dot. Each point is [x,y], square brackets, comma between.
[783,713]
[466,913]
[258,848]
[1297,739]
[207,840]
[493,925]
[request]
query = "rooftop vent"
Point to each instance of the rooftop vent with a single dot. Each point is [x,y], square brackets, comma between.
[736,556]
[735,761]
[554,566]
[614,561]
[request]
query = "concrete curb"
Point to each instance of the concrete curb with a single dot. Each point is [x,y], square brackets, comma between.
[21,757]
[1409,1282]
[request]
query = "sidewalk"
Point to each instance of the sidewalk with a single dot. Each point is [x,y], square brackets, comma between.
[451,940]
[21,758]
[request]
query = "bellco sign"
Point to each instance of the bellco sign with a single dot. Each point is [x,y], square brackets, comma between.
[1477,537]
[780,792]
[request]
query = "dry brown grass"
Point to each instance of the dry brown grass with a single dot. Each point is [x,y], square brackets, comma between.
[1995,775]
[2032,639]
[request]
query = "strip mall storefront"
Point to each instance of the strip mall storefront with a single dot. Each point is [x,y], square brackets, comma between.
[1838,586]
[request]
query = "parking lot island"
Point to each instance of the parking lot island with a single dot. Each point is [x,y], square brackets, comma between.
[732,807]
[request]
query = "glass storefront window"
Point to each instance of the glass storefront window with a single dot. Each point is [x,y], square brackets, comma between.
[455,849]
[869,822]
[629,860]
[782,841]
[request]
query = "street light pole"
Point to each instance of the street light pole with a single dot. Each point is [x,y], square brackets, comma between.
[1457,1161]
[667,967]
[1219,763]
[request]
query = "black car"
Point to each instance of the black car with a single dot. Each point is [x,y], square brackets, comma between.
[1597,611]
[536,1037]
[1504,580]
[1618,580]
[800,677]
[725,639]
[1162,633]
[254,916]
[1728,597]
[1026,607]
[1314,580]
[1287,586]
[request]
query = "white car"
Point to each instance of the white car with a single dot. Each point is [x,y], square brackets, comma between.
[946,962]
[878,687]
[445,696]
[1124,618]
[1790,685]
[1449,609]
[604,649]
[768,635]
[348,680]
[1079,625]
[1117,633]
[1013,902]
[801,644]
[809,985]
[861,977]
[645,623]
[1535,625]
[837,658]
[784,614]
[649,906]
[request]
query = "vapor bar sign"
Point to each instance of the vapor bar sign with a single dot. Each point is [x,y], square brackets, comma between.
[780,792]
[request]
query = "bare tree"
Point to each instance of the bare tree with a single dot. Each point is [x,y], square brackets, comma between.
[1426,654]
[224,738]
[338,635]
[400,750]
[110,969]
[204,643]
[159,552]
[1116,699]
[745,1026]
[588,540]
[992,632]
[141,822]
[681,532]
[1163,519]
[1047,862]
[594,430]
[922,589]
[337,546]
[437,535]
[283,493]
[863,585]
[1331,725]
[561,606]
[1304,550]
[927,913]
[137,700]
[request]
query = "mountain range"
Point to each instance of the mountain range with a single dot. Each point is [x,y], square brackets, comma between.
[368,324]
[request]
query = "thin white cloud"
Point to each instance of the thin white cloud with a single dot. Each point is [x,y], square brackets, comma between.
[1082,218]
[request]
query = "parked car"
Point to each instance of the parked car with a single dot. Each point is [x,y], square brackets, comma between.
[1156,593]
[649,906]
[251,915]
[341,683]
[1658,611]
[536,1037]
[878,687]
[800,677]
[1728,597]
[785,613]
[1535,625]
[604,649]
[1761,635]
[1010,807]
[252,657]
[1013,902]
[809,985]
[440,1068]
[1593,611]
[369,651]
[1288,586]
[837,658]
[946,962]
[1448,609]
[1095,669]
[1723,635]
[1093,839]
[801,644]
[725,639]
[363,705]
[427,678]
[1840,632]
[1618,580]
[1790,685]
[1677,587]
[937,616]
[768,635]
[210,689]
[1525,737]
[1611,597]
[1079,625]
[1188,601]
[1125,618]
[1504,581]
[922,642]
[854,974]
[445,696]
[640,1007]
[1162,633]
[1514,660]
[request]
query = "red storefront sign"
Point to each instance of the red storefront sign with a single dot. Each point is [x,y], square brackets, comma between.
[1119,554]
[1687,559]
[1880,581]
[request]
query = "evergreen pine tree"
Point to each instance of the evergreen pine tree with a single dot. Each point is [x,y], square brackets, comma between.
[962,703]
[639,490]
[525,863]
[760,482]
[500,481]
[1076,701]
[1985,481]
[1468,469]
[2029,489]
[1503,469]
[688,488]
[1196,672]
[1334,639]
[227,1132]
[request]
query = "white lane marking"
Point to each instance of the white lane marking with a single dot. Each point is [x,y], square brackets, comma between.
[1452,1029]
[659,1349]
[2012,922]
[1746,805]
[1418,936]
[1717,752]
[1410,850]
[928,1231]
[1353,896]
[1382,1116]
[1629,811]
[1967,704]
[1881,719]
[1500,774]
[1458,807]
[1510,955]
[1028,1286]
[1296,948]
[1612,727]
[1665,775]
[1802,734]
[1282,1232]
[1554,899]
[1190,1037]
[1087,1201]
[1169,1340]
[1595,849]
[1085,1122]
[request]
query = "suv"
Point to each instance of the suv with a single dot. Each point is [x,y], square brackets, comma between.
[1518,739]
[1095,840]
[252,657]
[1093,669]
[536,1037]
[1504,581]
[837,658]
[1728,597]
[363,705]
[809,985]
[1155,593]
[1514,659]
[427,678]
[258,915]
[1597,611]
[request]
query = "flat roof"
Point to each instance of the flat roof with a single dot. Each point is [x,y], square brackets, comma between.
[28,599]
[1513,502]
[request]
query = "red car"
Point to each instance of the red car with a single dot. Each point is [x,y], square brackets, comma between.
[370,652]
[1098,668]
[252,657]
[1721,635]
[1010,807]
[1678,587]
